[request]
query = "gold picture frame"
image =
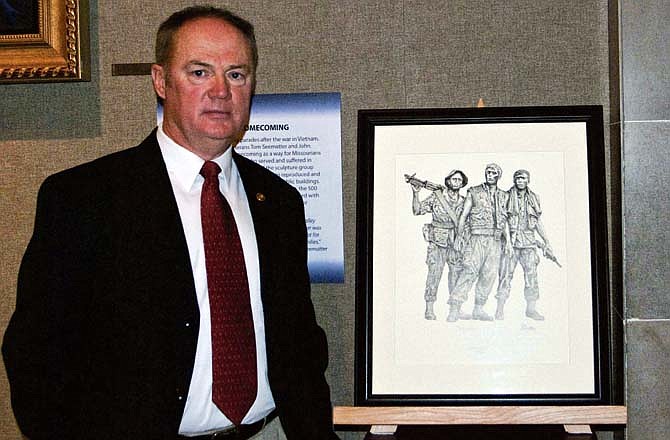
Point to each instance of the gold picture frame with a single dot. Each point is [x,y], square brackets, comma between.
[56,52]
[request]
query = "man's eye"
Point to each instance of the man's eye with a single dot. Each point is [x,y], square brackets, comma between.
[236,76]
[198,73]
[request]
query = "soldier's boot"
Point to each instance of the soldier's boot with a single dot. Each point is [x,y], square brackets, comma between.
[500,310]
[430,314]
[454,313]
[531,311]
[479,314]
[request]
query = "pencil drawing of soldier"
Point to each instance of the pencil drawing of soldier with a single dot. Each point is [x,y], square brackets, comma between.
[524,212]
[445,204]
[484,219]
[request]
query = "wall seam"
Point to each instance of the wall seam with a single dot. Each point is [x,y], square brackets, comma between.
[404,57]
[622,186]
[647,320]
[648,121]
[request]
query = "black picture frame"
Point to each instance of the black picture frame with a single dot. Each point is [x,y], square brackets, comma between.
[404,359]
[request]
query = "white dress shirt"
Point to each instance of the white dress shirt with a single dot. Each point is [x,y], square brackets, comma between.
[201,416]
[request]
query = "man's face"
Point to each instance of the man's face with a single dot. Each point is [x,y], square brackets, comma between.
[521,181]
[491,175]
[455,181]
[206,86]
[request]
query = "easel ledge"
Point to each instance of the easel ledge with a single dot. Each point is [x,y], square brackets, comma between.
[576,419]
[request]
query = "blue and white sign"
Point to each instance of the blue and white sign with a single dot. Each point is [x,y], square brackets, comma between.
[298,137]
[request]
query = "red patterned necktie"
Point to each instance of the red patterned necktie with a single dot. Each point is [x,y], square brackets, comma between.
[233,342]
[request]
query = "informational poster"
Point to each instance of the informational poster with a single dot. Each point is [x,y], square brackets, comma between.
[298,137]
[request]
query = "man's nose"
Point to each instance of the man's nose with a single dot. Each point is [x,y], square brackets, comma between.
[220,88]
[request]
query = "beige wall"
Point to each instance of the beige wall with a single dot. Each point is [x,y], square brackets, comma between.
[378,54]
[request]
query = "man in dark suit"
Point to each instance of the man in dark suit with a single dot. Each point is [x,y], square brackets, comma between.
[117,332]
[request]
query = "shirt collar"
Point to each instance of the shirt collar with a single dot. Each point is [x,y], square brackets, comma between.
[185,165]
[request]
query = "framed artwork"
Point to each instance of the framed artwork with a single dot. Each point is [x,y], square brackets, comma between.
[482,274]
[43,41]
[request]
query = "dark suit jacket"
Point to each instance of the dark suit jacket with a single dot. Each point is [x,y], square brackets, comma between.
[103,339]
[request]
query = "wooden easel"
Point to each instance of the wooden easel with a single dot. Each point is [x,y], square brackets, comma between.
[575,419]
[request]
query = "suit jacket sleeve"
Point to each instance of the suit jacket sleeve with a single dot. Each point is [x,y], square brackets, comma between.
[42,329]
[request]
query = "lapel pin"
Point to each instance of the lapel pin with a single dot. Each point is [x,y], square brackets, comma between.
[260,197]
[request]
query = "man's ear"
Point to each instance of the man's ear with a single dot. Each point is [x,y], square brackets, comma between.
[158,76]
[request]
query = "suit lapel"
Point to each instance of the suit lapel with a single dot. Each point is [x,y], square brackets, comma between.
[263,204]
[155,241]
[157,225]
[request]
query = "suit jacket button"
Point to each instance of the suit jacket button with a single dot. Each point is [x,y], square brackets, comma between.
[260,197]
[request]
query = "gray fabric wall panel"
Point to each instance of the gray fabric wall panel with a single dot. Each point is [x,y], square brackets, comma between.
[646,129]
[647,263]
[378,54]
[648,390]
[509,53]
[646,77]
